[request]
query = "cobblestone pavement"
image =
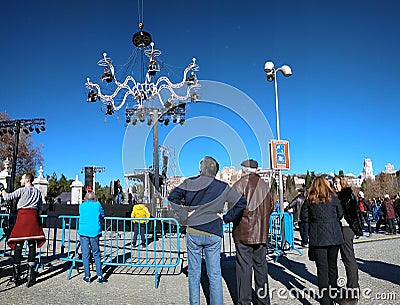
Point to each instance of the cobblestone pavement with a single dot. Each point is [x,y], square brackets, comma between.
[379,269]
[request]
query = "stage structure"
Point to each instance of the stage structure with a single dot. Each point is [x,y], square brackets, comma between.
[13,127]
[145,92]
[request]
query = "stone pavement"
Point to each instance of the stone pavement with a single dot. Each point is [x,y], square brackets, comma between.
[378,258]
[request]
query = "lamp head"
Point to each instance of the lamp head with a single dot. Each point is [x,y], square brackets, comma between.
[270,76]
[286,70]
[269,67]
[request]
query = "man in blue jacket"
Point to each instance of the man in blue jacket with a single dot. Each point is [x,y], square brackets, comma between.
[204,198]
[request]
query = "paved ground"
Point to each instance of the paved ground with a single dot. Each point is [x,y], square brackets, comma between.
[378,258]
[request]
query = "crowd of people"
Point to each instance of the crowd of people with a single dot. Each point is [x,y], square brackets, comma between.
[328,216]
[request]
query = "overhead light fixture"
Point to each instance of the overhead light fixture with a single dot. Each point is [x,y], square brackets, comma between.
[181,121]
[42,128]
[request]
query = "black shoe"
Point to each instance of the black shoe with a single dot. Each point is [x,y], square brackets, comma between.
[16,278]
[31,278]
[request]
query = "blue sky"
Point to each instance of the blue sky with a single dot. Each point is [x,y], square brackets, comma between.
[340,106]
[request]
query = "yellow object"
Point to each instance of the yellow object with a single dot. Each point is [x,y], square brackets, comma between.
[140,211]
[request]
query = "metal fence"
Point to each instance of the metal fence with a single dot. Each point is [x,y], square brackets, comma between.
[160,249]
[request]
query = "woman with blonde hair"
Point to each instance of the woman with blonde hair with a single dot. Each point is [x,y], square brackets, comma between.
[322,210]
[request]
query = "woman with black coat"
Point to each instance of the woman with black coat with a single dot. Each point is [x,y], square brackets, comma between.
[352,225]
[323,211]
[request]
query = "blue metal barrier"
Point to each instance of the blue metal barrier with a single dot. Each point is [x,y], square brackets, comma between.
[161,249]
[275,233]
[46,252]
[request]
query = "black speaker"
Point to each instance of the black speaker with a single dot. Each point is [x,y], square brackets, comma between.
[88,176]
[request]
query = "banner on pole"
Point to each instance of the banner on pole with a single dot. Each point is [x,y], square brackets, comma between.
[279,152]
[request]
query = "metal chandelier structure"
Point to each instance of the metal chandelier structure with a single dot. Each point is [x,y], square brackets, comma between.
[153,92]
[149,95]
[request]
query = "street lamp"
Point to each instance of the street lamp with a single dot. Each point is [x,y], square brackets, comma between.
[271,71]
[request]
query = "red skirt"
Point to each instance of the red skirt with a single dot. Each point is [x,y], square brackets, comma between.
[27,227]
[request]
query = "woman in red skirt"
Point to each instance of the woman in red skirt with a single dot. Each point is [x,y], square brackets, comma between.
[27,227]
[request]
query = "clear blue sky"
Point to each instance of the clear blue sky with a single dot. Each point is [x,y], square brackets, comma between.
[341,105]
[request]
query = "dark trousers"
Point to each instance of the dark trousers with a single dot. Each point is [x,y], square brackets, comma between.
[251,258]
[31,254]
[327,272]
[349,259]
[136,228]
[366,219]
[303,228]
[390,227]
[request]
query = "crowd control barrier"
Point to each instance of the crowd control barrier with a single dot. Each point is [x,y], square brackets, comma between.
[276,233]
[46,253]
[160,249]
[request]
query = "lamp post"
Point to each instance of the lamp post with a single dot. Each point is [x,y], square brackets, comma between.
[271,71]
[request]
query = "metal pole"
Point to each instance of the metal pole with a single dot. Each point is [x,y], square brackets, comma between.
[155,153]
[17,127]
[278,134]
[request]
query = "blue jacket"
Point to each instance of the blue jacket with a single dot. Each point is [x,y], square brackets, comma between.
[207,196]
[91,214]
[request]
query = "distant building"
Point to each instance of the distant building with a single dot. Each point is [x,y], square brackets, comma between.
[367,171]
[389,169]
[229,175]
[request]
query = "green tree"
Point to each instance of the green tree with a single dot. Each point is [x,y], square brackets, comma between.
[308,180]
[290,192]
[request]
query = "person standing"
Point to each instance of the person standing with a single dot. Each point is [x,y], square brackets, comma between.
[201,198]
[365,210]
[352,225]
[389,214]
[27,227]
[139,211]
[297,203]
[323,211]
[91,214]
[250,233]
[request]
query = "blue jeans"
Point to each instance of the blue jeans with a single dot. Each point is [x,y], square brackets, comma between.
[211,245]
[86,244]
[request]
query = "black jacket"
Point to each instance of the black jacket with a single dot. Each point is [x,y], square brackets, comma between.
[323,222]
[351,209]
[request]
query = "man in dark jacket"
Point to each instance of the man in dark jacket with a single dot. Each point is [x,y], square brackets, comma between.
[297,203]
[204,198]
[389,214]
[365,209]
[250,234]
